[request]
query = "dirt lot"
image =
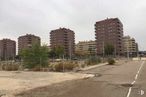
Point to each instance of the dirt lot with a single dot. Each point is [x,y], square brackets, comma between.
[16,82]
[107,82]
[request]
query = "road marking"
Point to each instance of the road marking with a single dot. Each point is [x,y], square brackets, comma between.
[141,92]
[128,95]
[136,76]
[133,82]
[139,70]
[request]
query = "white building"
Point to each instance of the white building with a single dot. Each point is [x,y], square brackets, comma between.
[130,46]
[86,47]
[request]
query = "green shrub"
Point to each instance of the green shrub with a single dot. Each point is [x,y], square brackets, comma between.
[51,67]
[98,60]
[82,65]
[71,66]
[111,61]
[66,66]
[40,68]
[93,61]
[58,67]
[10,67]
[37,68]
[34,57]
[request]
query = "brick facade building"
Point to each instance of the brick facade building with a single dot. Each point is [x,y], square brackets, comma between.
[27,41]
[7,49]
[109,31]
[65,38]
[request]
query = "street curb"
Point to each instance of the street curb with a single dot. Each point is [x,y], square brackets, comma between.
[95,66]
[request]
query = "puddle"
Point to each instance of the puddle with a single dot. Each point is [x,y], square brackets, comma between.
[127,85]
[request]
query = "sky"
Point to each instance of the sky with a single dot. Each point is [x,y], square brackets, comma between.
[39,17]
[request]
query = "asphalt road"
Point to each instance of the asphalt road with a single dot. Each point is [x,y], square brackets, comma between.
[125,79]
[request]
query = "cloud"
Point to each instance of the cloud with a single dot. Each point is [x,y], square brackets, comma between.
[39,17]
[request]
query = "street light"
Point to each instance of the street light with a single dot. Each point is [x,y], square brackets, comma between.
[127,52]
[103,49]
[70,50]
[115,51]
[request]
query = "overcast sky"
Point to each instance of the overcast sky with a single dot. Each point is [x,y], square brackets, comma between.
[39,17]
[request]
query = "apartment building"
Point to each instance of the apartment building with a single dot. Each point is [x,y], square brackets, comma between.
[7,49]
[109,31]
[27,41]
[65,38]
[86,48]
[130,46]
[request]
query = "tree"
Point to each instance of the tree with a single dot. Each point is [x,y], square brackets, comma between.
[109,49]
[17,58]
[59,51]
[34,57]
[52,53]
[56,52]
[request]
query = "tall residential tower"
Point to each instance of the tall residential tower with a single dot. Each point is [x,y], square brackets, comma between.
[65,38]
[109,31]
[27,41]
[7,49]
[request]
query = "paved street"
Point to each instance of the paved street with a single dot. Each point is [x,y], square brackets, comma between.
[140,84]
[110,81]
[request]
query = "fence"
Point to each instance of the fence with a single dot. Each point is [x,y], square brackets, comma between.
[10,65]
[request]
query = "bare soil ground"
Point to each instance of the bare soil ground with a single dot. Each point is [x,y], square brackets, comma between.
[109,84]
[15,82]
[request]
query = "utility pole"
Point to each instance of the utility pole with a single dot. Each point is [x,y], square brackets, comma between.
[70,52]
[95,52]
[127,52]
[40,63]
[0,54]
[115,51]
[103,49]
[63,63]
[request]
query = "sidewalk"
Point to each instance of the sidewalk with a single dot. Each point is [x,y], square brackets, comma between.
[94,66]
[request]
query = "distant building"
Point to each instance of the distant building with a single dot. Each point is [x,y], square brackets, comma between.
[109,31]
[49,48]
[86,48]
[130,46]
[27,41]
[65,38]
[7,49]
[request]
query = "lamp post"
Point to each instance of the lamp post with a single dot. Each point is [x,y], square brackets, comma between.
[70,50]
[115,48]
[103,49]
[95,52]
[127,52]
[63,63]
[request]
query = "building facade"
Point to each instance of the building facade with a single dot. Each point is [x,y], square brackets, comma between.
[27,41]
[7,49]
[130,46]
[64,38]
[85,48]
[109,32]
